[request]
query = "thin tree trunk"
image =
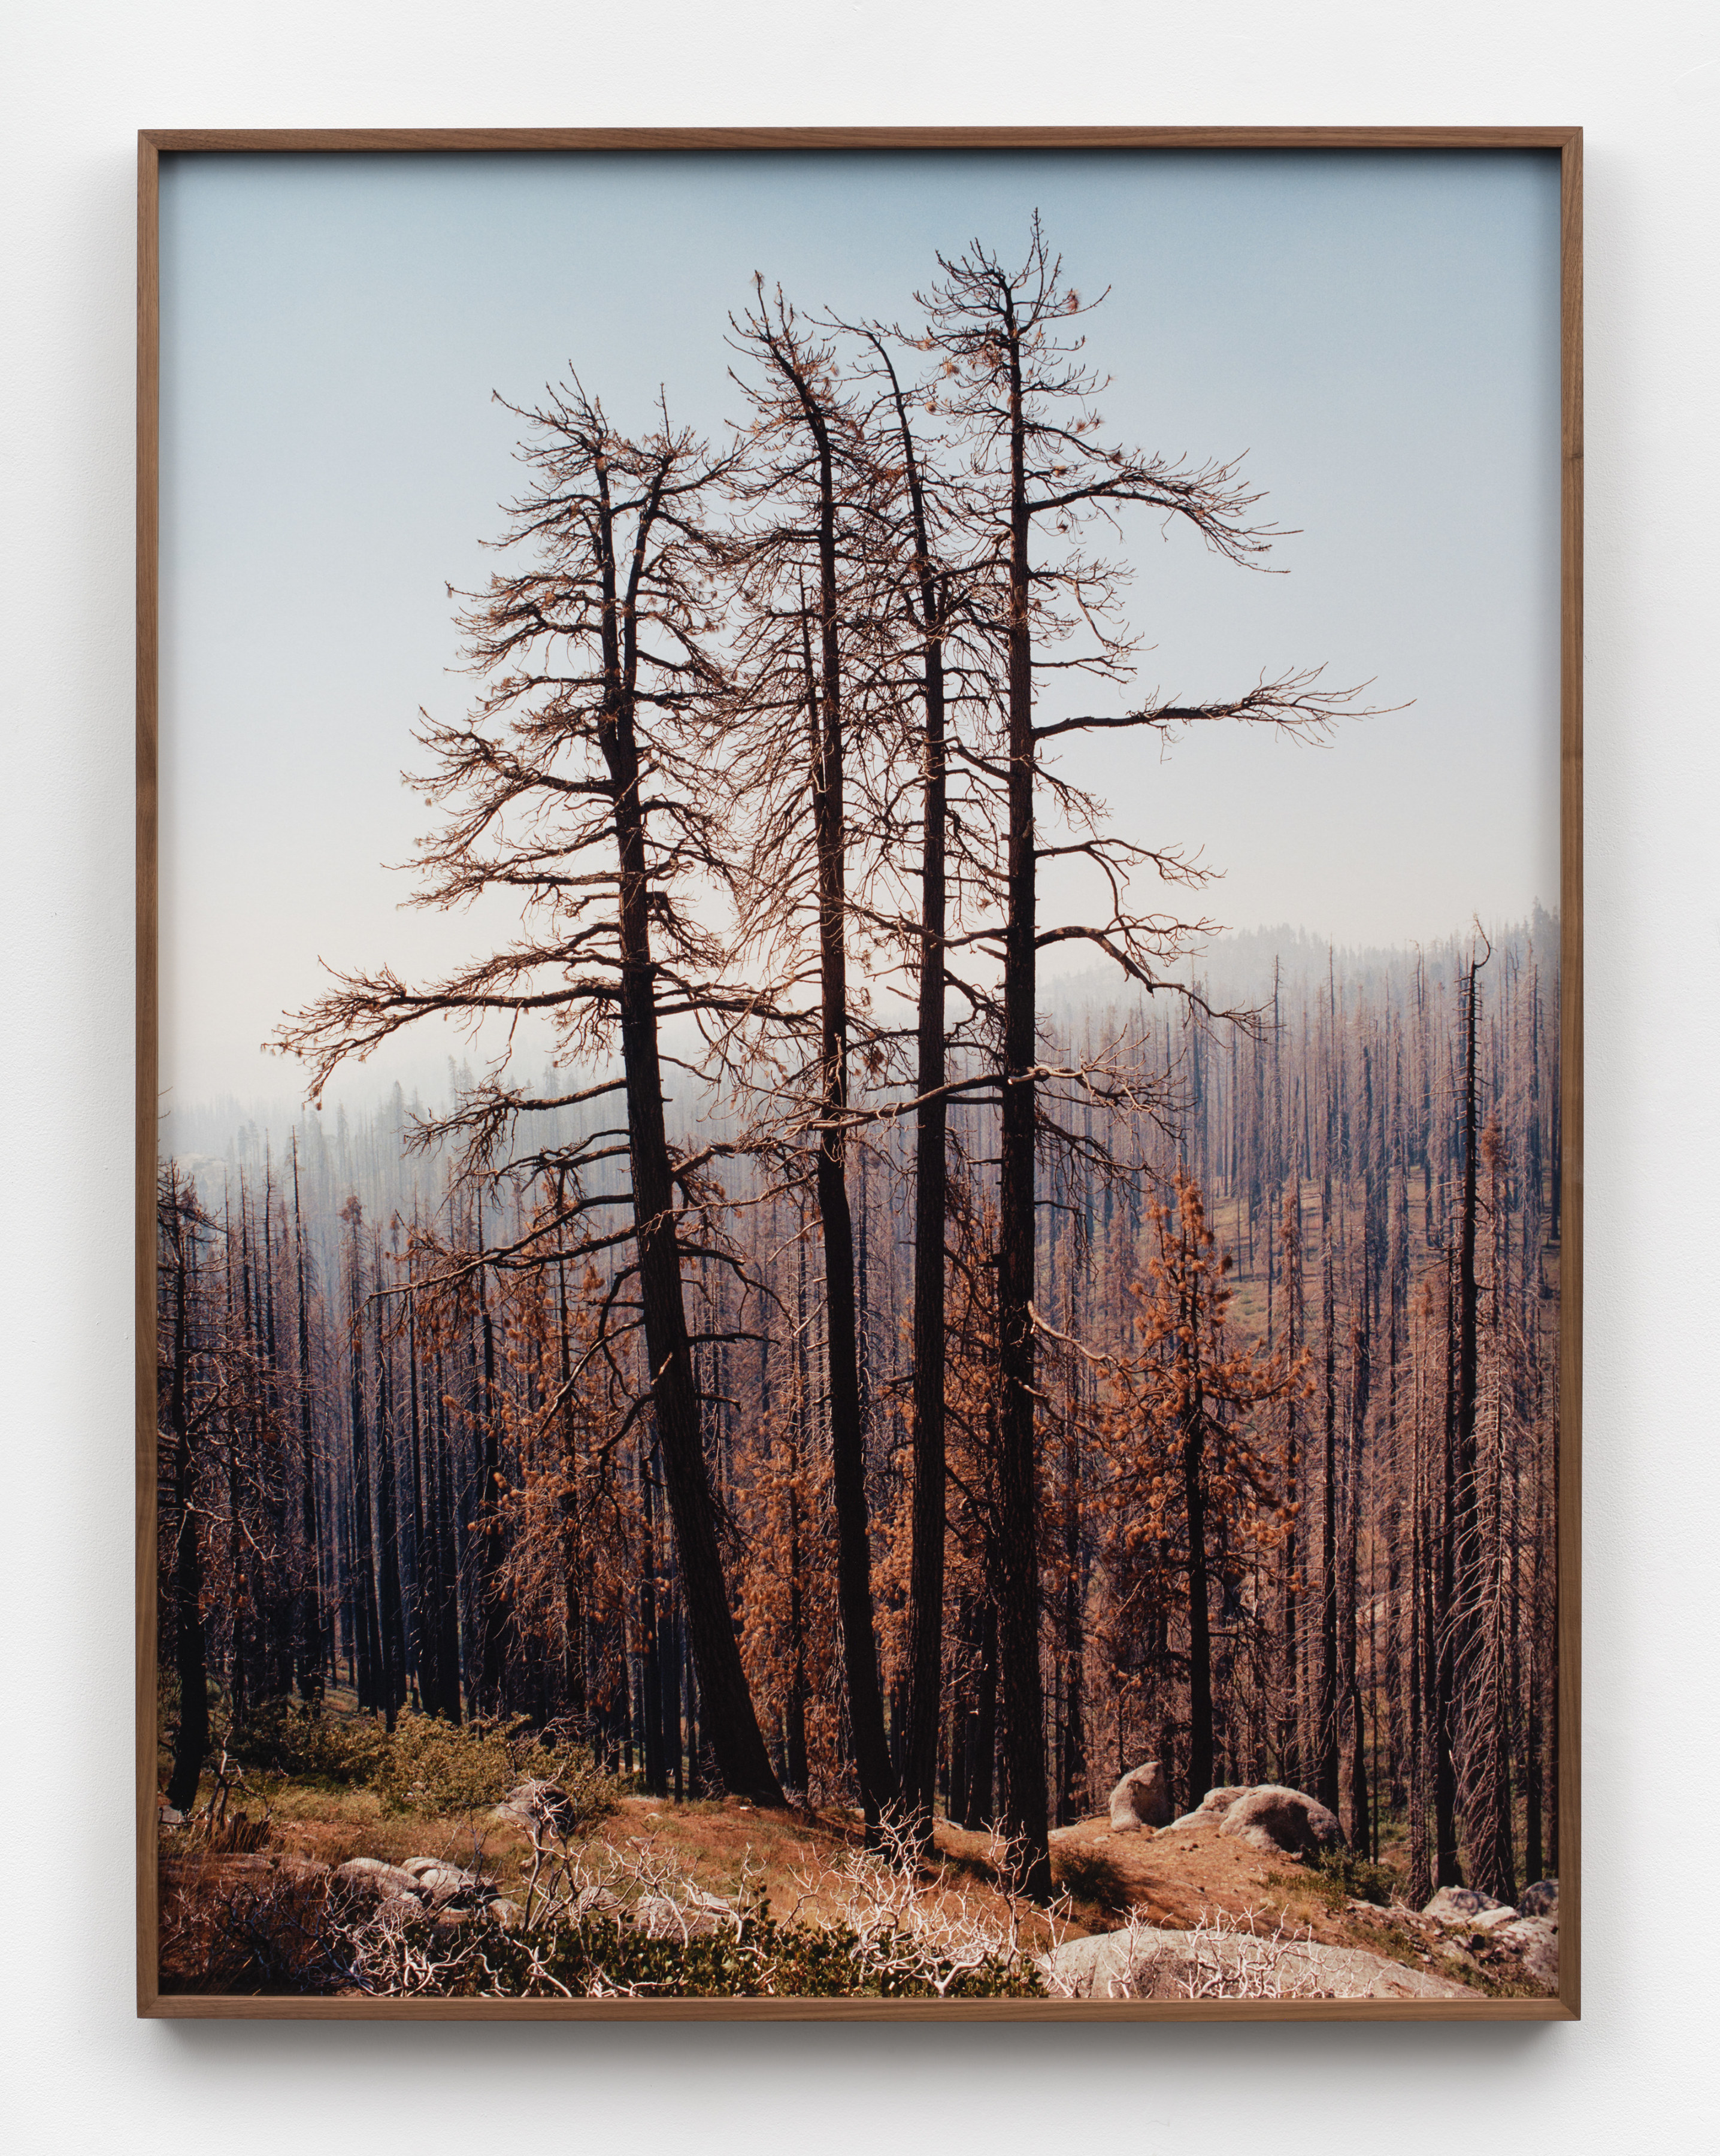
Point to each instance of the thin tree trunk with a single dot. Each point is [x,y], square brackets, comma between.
[191,1740]
[1024,1741]
[740,1757]
[312,1628]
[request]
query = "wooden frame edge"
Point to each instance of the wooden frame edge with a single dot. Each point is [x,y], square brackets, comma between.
[287,141]
[213,2006]
[1569,1564]
[147,1048]
[153,143]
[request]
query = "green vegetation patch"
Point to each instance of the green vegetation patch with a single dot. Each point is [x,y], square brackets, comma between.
[762,1958]
[425,1764]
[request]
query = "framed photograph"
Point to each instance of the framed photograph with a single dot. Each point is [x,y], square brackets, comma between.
[860,1119]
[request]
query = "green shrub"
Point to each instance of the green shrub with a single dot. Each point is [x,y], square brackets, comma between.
[426,1765]
[798,1959]
[436,1766]
[1089,1874]
[289,1737]
[1344,1876]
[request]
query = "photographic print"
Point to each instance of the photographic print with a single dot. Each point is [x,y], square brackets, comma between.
[858,1136]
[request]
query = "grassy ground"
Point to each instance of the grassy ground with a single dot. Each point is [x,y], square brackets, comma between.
[433,1792]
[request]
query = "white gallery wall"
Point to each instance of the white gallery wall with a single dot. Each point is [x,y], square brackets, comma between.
[77,2072]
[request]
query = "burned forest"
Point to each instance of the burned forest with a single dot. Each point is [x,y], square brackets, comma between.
[898,1311]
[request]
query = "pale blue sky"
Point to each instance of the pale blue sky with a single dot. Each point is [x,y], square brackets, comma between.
[1378,331]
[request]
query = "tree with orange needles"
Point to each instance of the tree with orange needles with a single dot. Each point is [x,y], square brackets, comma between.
[1194,1480]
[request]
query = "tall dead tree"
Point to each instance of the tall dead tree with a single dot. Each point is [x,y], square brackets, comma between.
[1017,393]
[181,1225]
[578,788]
[804,461]
[313,1639]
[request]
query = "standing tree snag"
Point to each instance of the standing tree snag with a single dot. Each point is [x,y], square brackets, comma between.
[805,460]
[181,1223]
[579,787]
[1013,383]
[935,644]
[926,598]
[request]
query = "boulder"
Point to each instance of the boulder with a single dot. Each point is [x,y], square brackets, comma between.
[508,1914]
[1535,1941]
[1467,1907]
[540,1807]
[1493,1920]
[1141,1799]
[441,1882]
[1277,1820]
[370,1876]
[1145,1962]
[1211,1808]
[1540,1900]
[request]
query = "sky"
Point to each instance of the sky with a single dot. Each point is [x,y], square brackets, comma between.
[1377,334]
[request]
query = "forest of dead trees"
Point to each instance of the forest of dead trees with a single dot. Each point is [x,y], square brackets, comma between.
[855,1371]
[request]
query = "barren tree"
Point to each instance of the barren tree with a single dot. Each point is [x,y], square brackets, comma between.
[1014,386]
[578,788]
[804,469]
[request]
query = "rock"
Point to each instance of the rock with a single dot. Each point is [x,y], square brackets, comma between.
[370,1876]
[442,1883]
[1144,1961]
[543,1807]
[1140,1799]
[1277,1820]
[508,1914]
[1211,1808]
[168,1817]
[1492,1920]
[1535,1941]
[1540,1900]
[1464,1906]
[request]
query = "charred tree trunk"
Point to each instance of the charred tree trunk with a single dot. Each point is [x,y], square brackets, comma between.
[1024,1741]
[491,1612]
[1290,1754]
[190,1741]
[312,1638]
[1326,1750]
[848,1463]
[740,1757]
[390,1614]
[982,1726]
[1200,1705]
[366,1626]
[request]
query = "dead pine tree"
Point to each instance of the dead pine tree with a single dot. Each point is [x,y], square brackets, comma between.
[802,466]
[931,657]
[1290,1616]
[312,1633]
[1008,376]
[181,1226]
[579,790]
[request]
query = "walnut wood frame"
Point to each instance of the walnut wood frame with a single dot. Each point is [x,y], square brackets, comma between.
[1567,143]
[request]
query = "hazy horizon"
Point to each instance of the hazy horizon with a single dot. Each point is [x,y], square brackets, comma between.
[1236,963]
